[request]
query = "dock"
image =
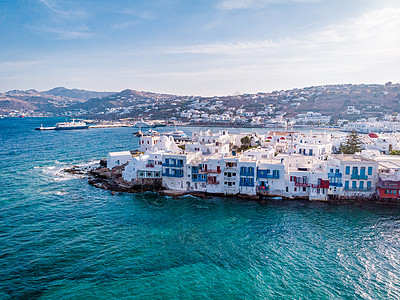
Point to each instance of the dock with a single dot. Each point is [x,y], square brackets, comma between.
[90,126]
[110,125]
[45,128]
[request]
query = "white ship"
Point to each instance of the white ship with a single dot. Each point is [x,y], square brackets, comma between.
[71,125]
[143,124]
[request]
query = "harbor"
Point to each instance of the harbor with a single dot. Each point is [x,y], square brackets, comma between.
[149,232]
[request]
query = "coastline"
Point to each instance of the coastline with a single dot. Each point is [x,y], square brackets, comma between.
[111,180]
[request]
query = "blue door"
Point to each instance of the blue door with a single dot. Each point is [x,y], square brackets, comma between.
[361,184]
[346,185]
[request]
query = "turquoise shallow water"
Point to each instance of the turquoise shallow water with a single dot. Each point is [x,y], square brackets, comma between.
[63,239]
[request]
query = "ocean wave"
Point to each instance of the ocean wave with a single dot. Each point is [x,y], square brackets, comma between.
[58,173]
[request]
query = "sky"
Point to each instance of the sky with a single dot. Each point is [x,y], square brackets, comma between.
[197,47]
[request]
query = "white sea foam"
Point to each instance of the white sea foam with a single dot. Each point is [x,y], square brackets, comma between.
[58,172]
[61,193]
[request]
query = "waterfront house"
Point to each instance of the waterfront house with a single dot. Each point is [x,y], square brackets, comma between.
[118,158]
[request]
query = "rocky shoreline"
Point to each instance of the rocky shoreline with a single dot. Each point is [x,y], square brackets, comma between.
[111,180]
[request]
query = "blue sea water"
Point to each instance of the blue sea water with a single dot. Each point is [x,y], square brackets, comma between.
[61,238]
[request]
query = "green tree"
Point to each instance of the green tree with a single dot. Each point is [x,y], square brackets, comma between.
[394,152]
[352,145]
[245,140]
[245,143]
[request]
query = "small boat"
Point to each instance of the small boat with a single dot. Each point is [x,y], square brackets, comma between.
[138,133]
[150,132]
[71,125]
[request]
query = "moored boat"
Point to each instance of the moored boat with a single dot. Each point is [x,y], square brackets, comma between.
[71,125]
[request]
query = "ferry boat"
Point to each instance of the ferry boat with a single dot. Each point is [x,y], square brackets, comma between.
[178,135]
[143,124]
[71,125]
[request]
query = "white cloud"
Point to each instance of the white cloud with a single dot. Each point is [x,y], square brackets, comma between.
[67,12]
[362,49]
[377,29]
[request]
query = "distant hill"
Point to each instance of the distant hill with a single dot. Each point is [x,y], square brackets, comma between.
[341,101]
[75,93]
[125,98]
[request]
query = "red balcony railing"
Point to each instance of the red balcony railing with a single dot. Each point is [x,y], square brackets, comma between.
[322,184]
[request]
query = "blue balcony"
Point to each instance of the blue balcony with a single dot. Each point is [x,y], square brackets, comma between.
[176,175]
[335,175]
[359,177]
[246,184]
[246,173]
[365,189]
[336,184]
[172,165]
[265,174]
[273,176]
[199,178]
[246,181]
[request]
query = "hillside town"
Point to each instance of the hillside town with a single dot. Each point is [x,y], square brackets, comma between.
[286,164]
[327,105]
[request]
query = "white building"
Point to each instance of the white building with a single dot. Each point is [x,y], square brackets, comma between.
[118,158]
[312,117]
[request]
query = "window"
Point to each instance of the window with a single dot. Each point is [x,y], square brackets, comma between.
[369,170]
[355,171]
[368,184]
[361,184]
[346,185]
[304,188]
[287,189]
[347,170]
[331,170]
[354,185]
[362,171]
[295,189]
